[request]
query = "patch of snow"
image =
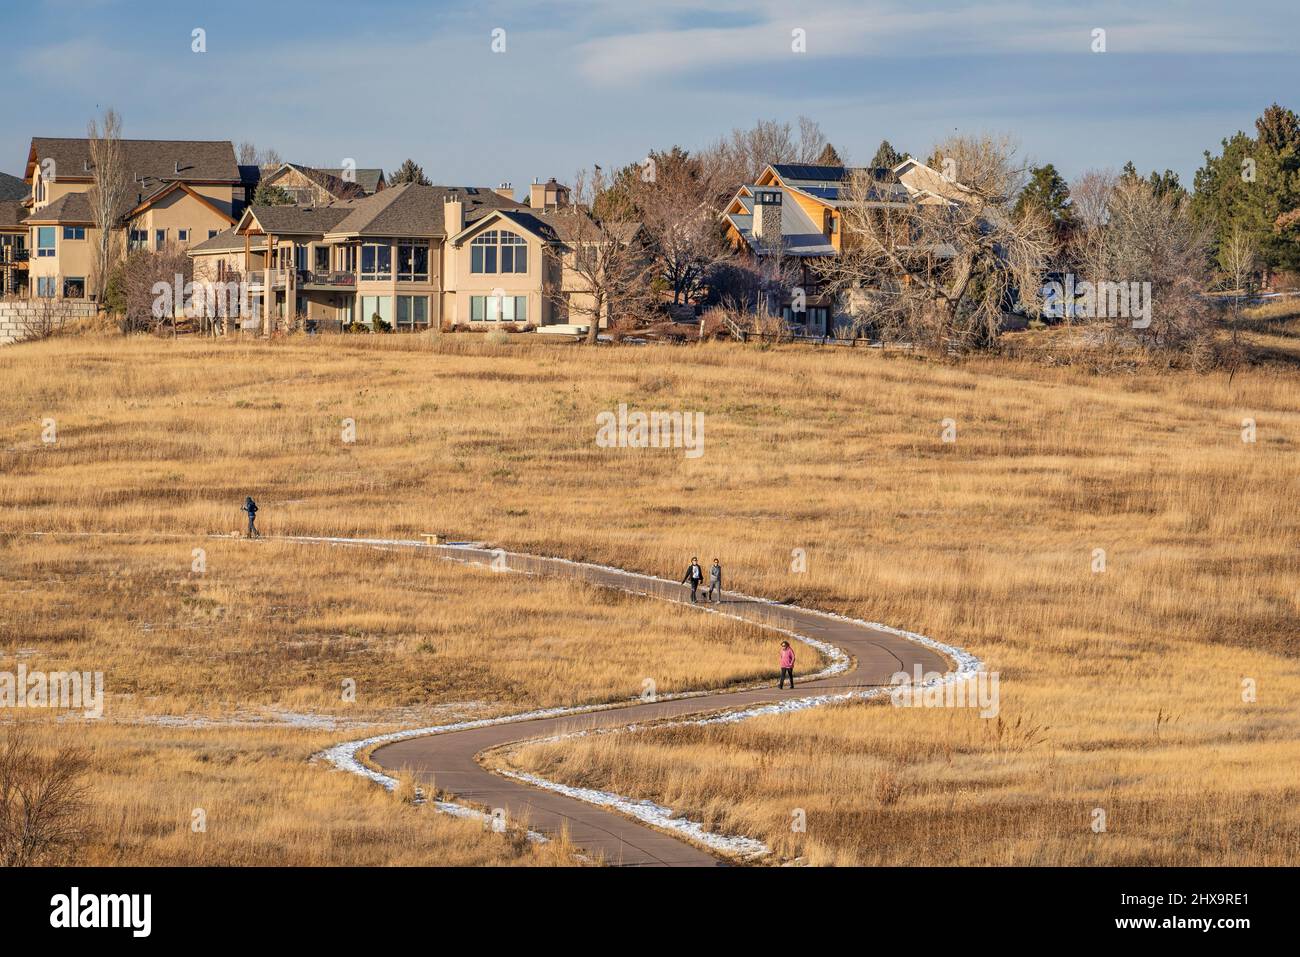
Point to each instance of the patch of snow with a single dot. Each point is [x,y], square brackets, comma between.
[653,814]
[343,756]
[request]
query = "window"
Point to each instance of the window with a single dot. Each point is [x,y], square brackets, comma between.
[498,251]
[322,259]
[44,241]
[74,232]
[372,306]
[413,262]
[498,308]
[212,234]
[45,287]
[376,261]
[74,287]
[138,239]
[300,257]
[412,311]
[183,235]
[159,239]
[347,258]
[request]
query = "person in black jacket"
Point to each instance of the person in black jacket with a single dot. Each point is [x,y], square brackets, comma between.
[694,575]
[251,508]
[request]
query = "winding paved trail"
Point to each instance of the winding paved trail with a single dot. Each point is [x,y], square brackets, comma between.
[450,757]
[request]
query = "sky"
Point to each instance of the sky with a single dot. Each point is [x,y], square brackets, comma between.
[481,92]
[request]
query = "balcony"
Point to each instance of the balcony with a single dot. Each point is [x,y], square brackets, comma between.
[279,279]
[328,279]
[12,256]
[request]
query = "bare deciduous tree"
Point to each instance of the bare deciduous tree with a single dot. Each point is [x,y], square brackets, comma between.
[941,269]
[109,198]
[1239,258]
[251,155]
[682,229]
[603,270]
[1151,238]
[148,310]
[743,154]
[43,805]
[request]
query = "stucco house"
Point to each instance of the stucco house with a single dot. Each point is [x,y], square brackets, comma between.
[183,192]
[408,257]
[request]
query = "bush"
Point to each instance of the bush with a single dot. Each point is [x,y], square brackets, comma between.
[43,806]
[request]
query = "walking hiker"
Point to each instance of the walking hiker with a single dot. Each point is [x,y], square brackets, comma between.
[715,583]
[251,508]
[787,665]
[694,575]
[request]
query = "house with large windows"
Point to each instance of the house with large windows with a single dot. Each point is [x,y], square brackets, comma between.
[407,257]
[792,216]
[793,212]
[182,192]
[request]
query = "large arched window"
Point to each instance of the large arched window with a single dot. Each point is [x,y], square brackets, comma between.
[498,251]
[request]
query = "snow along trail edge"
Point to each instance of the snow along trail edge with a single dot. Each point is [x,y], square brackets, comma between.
[344,756]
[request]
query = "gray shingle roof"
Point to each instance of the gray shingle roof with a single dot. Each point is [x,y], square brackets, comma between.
[333,184]
[226,241]
[69,208]
[157,161]
[368,179]
[564,225]
[411,210]
[301,220]
[12,213]
[11,187]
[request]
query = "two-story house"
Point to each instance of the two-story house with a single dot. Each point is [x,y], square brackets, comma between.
[407,257]
[794,211]
[181,192]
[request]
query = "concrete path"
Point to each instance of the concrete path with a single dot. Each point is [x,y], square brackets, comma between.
[450,758]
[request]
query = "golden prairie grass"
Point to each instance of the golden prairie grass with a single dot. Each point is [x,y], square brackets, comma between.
[1133,677]
[271,628]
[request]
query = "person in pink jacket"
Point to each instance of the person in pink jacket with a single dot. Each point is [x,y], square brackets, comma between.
[787,664]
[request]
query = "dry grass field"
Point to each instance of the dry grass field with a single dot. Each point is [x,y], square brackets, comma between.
[1121,689]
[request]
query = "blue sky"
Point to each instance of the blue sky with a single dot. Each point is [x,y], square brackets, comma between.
[603,81]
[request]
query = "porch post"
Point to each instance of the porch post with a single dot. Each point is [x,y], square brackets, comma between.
[268,286]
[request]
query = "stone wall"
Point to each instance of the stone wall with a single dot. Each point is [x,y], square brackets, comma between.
[22,318]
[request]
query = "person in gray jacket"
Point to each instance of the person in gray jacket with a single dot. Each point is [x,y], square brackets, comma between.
[714,593]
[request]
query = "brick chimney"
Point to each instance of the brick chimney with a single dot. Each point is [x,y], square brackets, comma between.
[767,218]
[507,190]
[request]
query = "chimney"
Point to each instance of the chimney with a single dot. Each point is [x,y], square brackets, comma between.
[507,190]
[767,218]
[453,214]
[548,195]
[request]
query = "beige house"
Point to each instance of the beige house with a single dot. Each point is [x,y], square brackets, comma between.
[312,186]
[185,192]
[406,257]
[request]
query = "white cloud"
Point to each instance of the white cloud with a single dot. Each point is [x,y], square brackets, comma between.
[845,28]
